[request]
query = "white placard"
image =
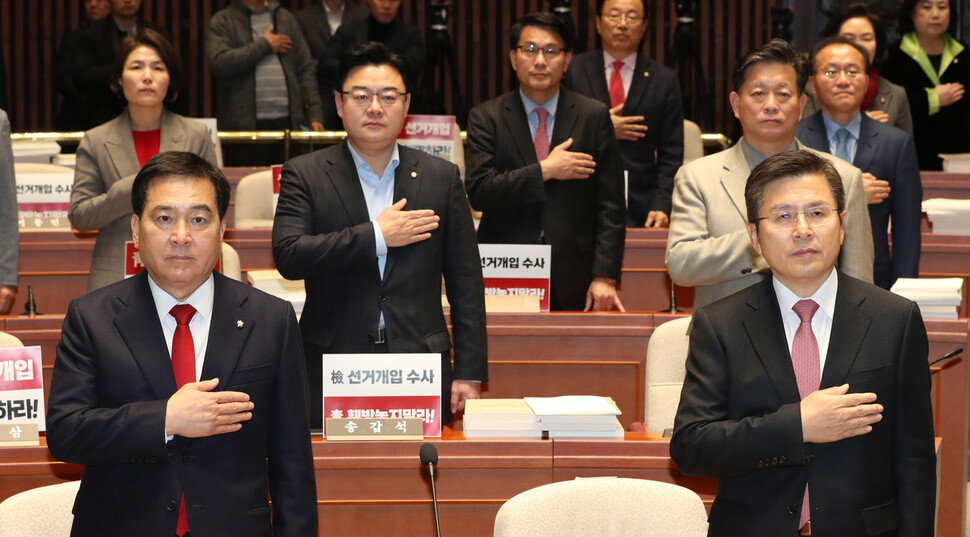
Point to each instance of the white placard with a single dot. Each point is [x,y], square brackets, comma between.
[43,200]
[517,269]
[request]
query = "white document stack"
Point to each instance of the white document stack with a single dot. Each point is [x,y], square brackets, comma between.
[504,418]
[577,416]
[947,215]
[272,282]
[938,298]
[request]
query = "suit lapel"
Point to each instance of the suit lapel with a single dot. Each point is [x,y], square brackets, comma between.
[172,136]
[408,183]
[517,127]
[767,335]
[120,146]
[814,134]
[849,326]
[641,80]
[866,148]
[565,118]
[734,177]
[137,322]
[226,336]
[595,71]
[342,173]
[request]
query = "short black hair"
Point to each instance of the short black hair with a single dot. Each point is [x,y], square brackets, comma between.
[600,4]
[371,53]
[774,51]
[905,22]
[178,164]
[839,40]
[789,165]
[146,37]
[546,21]
[860,10]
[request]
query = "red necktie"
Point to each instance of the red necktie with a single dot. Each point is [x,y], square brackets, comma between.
[804,359]
[617,95]
[183,363]
[541,140]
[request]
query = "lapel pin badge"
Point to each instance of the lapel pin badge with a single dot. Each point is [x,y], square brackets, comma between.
[414,175]
[240,324]
[646,73]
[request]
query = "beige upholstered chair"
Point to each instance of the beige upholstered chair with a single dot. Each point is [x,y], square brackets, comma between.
[613,506]
[38,167]
[693,144]
[666,355]
[9,340]
[231,265]
[39,512]
[254,201]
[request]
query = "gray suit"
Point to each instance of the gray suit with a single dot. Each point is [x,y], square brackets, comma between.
[9,232]
[891,99]
[707,245]
[106,168]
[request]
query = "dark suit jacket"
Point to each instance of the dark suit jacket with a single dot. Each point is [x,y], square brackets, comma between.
[889,154]
[111,382]
[655,95]
[323,234]
[739,418]
[583,220]
[316,30]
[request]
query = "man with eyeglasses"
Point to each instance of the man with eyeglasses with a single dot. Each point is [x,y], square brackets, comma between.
[807,395]
[372,226]
[885,154]
[645,105]
[544,168]
[707,247]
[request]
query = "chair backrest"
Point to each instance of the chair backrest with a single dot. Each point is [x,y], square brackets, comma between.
[666,355]
[40,512]
[693,143]
[254,201]
[9,340]
[230,266]
[613,506]
[39,167]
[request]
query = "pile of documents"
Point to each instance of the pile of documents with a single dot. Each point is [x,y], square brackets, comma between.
[570,416]
[947,215]
[272,282]
[938,298]
[955,162]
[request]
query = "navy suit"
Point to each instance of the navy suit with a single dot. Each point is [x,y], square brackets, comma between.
[652,161]
[889,154]
[111,384]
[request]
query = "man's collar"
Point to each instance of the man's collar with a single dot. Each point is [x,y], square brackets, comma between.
[629,61]
[549,105]
[824,296]
[201,299]
[755,157]
[854,125]
[360,163]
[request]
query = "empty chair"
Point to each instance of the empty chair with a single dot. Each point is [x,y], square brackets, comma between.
[693,143]
[9,340]
[612,506]
[40,512]
[230,265]
[254,201]
[666,356]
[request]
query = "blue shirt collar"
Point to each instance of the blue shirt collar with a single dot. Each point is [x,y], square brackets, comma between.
[531,105]
[854,126]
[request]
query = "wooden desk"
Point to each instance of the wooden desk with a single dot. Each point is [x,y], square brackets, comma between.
[945,185]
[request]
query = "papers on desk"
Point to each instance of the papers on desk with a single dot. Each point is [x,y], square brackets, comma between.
[947,215]
[272,282]
[955,162]
[938,298]
[571,416]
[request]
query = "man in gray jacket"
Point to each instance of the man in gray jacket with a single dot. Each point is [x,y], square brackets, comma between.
[265,74]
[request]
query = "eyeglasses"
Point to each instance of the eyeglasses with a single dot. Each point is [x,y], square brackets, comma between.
[531,50]
[365,96]
[632,17]
[818,216]
[852,72]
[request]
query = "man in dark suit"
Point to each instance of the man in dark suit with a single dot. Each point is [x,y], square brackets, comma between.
[372,227]
[182,391]
[808,394]
[544,168]
[645,105]
[885,154]
[320,21]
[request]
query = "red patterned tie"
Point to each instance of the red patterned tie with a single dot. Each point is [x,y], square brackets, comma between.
[541,140]
[617,96]
[804,359]
[183,363]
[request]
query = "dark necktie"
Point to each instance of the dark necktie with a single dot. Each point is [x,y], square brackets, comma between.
[805,361]
[183,363]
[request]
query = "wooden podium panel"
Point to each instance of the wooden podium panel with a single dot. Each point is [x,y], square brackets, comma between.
[938,184]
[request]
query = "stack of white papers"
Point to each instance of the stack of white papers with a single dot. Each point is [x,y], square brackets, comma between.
[955,162]
[577,416]
[272,282]
[511,418]
[947,215]
[37,151]
[938,298]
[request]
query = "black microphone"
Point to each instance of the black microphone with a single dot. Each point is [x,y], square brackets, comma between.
[429,458]
[947,356]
